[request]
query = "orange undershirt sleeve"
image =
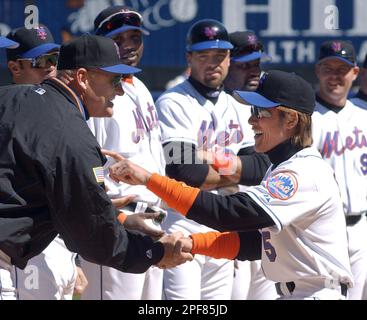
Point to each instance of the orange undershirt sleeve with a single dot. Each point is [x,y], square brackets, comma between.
[216,244]
[121,217]
[177,195]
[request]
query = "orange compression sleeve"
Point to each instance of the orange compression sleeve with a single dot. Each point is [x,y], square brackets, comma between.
[177,195]
[215,244]
[121,217]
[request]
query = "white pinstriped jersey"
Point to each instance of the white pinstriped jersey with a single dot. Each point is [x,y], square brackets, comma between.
[341,138]
[359,102]
[185,115]
[309,239]
[134,116]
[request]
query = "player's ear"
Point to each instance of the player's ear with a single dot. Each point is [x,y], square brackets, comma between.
[291,119]
[81,78]
[14,68]
[188,58]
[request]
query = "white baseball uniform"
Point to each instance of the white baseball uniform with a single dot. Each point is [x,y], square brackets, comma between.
[134,132]
[342,140]
[186,116]
[50,275]
[306,251]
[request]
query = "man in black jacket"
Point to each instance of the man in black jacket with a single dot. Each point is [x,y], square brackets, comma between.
[51,168]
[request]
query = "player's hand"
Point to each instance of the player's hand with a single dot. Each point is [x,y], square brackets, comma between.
[126,171]
[119,203]
[172,257]
[183,245]
[81,282]
[136,221]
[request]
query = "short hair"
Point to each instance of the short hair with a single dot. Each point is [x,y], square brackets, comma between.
[303,134]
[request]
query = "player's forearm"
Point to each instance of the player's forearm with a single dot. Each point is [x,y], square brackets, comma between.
[235,212]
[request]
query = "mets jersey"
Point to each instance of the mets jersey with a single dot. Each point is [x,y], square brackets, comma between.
[309,238]
[341,138]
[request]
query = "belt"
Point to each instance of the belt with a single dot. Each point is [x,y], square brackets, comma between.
[291,286]
[133,205]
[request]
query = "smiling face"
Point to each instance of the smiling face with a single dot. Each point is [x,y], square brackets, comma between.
[131,46]
[272,127]
[209,67]
[336,78]
[100,89]
[243,76]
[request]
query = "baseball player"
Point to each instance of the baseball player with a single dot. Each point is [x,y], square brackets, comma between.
[339,133]
[294,206]
[31,63]
[360,99]
[133,131]
[200,121]
[244,74]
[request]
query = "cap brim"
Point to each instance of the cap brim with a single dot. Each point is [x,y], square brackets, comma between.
[120,69]
[7,43]
[255,99]
[339,58]
[215,44]
[126,28]
[40,50]
[252,56]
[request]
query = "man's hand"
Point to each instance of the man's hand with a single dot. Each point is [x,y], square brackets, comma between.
[172,257]
[136,221]
[183,244]
[81,282]
[119,203]
[126,171]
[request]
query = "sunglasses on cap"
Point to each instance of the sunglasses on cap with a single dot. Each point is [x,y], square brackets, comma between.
[119,19]
[43,61]
[250,48]
[260,113]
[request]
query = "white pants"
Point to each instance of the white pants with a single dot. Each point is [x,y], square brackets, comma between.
[106,283]
[7,288]
[204,278]
[357,245]
[260,287]
[241,280]
[49,276]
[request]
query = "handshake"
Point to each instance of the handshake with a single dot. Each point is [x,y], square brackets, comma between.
[177,250]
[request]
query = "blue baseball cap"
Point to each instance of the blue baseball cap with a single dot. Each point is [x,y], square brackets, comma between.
[279,88]
[207,34]
[7,43]
[116,19]
[91,51]
[246,47]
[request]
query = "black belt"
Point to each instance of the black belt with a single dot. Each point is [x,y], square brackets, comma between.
[132,207]
[291,286]
[352,220]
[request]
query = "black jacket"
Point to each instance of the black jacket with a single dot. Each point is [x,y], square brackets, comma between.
[48,183]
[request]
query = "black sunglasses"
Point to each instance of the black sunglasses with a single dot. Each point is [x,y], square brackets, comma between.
[43,61]
[260,113]
[117,20]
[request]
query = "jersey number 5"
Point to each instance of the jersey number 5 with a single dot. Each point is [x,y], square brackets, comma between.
[268,248]
[364,163]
